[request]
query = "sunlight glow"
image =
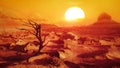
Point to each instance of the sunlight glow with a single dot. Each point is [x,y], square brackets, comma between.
[74,13]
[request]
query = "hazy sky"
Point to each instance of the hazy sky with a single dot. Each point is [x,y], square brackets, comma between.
[54,10]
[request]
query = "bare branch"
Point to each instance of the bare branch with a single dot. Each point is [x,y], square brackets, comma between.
[21,28]
[44,37]
[46,43]
[37,33]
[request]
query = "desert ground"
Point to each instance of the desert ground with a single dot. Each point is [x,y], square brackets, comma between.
[63,50]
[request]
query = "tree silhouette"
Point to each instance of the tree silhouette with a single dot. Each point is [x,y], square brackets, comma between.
[37,33]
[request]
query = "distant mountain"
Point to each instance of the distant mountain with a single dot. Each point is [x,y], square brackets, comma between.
[103,26]
[105,21]
[8,21]
[49,27]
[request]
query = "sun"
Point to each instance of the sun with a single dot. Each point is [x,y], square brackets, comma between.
[74,13]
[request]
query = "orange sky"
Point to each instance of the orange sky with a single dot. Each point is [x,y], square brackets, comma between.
[54,10]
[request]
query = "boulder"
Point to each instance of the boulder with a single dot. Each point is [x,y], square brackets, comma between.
[38,57]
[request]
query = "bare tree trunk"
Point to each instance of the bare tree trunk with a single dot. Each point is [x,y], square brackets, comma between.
[38,35]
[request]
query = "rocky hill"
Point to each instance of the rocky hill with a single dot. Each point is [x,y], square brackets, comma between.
[104,25]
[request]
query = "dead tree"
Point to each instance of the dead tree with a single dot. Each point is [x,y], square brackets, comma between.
[37,33]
